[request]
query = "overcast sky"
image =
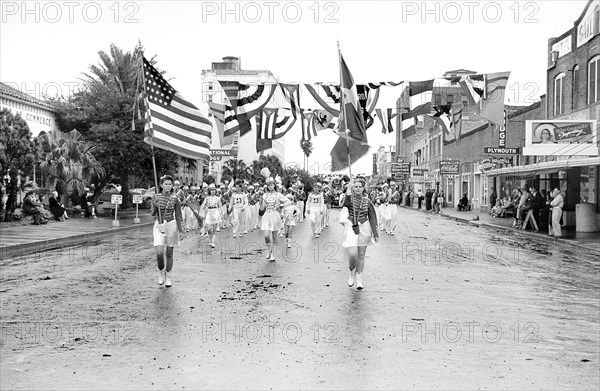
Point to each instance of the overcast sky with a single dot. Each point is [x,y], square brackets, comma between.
[45,46]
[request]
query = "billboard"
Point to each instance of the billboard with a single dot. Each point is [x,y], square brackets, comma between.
[560,138]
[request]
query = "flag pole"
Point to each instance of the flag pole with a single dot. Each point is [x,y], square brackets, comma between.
[152,133]
[343,114]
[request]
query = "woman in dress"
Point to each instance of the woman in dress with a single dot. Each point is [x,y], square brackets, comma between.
[57,209]
[168,229]
[360,228]
[211,208]
[271,222]
[315,205]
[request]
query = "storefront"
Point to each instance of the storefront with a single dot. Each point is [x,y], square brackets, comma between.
[577,180]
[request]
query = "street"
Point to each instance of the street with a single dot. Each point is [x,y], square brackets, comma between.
[446,305]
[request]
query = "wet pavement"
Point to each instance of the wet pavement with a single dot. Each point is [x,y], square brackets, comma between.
[446,305]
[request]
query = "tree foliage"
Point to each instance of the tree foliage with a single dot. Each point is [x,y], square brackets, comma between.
[107,113]
[17,155]
[68,161]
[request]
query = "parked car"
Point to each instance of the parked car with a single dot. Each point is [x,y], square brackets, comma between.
[105,197]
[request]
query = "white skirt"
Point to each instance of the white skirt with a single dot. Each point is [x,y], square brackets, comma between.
[271,221]
[213,216]
[364,237]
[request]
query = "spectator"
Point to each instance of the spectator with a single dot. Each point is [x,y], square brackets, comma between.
[493,197]
[58,210]
[428,196]
[463,203]
[536,203]
[32,208]
[556,204]
[420,198]
[523,207]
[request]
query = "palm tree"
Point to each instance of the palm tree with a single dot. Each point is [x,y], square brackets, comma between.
[119,69]
[307,148]
[236,169]
[68,161]
[270,161]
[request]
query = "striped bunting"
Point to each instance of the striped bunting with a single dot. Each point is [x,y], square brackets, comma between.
[245,101]
[385,117]
[173,123]
[328,91]
[457,123]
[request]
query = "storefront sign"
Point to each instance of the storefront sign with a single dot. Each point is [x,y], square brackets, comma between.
[502,133]
[585,29]
[224,152]
[563,46]
[501,151]
[492,162]
[419,171]
[374,164]
[449,167]
[400,168]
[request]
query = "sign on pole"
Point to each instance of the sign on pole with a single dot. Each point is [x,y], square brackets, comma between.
[137,200]
[116,200]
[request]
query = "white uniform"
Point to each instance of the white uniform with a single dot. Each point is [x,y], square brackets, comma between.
[314,211]
[271,220]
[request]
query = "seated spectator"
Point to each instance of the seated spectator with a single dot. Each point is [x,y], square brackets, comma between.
[58,210]
[508,205]
[84,202]
[463,203]
[32,208]
[496,209]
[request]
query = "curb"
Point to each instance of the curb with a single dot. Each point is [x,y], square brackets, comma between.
[530,234]
[56,243]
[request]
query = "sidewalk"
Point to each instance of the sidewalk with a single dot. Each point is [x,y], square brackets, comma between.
[589,241]
[24,239]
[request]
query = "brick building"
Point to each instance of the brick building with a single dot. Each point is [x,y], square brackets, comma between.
[572,93]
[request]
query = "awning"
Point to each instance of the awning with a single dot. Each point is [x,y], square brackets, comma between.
[545,167]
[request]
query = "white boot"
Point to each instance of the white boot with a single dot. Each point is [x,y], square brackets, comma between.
[359,284]
[161,277]
[351,278]
[168,283]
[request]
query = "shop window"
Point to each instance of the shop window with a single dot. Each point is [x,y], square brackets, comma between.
[593,81]
[558,94]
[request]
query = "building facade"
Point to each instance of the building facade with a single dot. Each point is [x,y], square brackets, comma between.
[572,93]
[39,115]
[244,148]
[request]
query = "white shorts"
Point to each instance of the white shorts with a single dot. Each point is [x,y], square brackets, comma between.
[171,236]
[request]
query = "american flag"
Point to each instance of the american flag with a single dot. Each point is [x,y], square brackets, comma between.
[173,123]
